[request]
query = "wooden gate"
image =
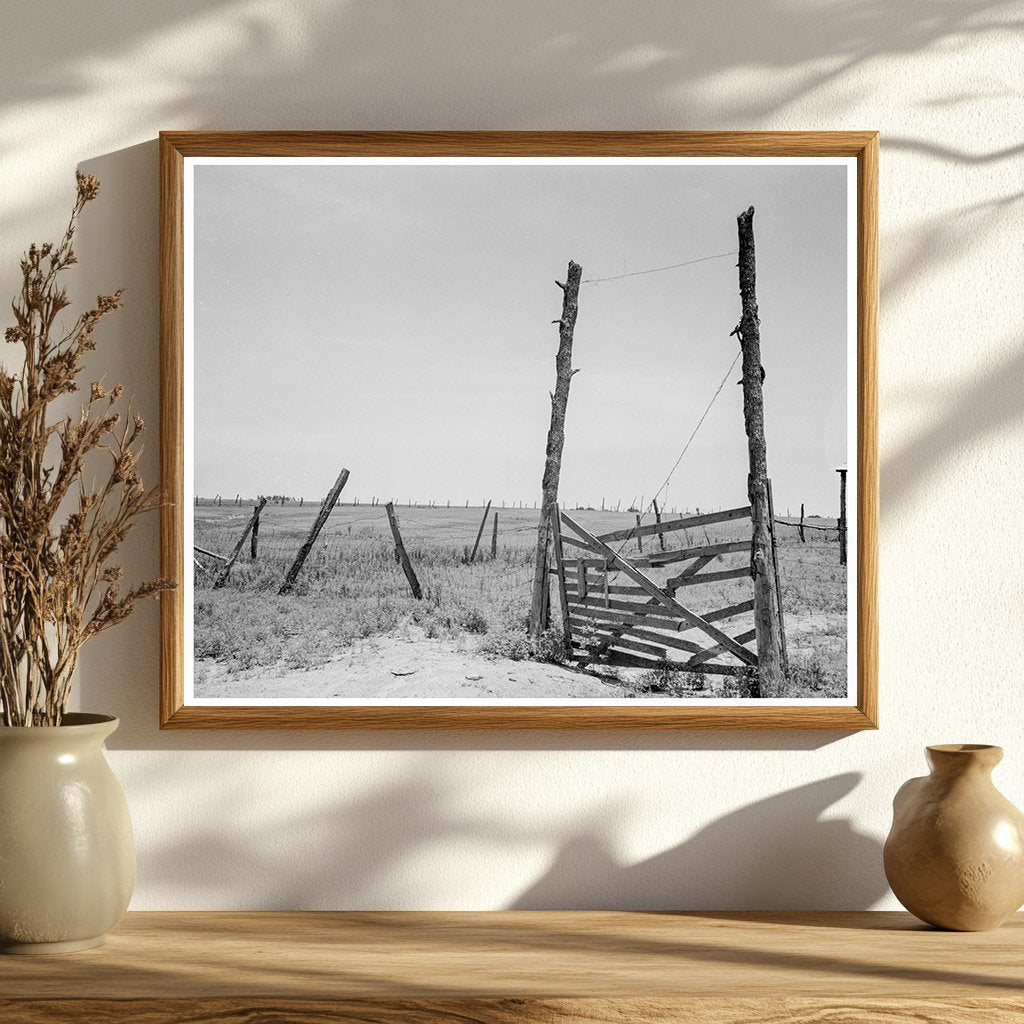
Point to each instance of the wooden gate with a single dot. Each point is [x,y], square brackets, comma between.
[611,605]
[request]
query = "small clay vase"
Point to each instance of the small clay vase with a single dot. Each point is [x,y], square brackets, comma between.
[955,854]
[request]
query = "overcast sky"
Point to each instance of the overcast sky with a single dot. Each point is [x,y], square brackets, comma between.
[396,320]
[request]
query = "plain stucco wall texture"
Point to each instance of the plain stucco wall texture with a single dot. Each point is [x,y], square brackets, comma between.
[731,820]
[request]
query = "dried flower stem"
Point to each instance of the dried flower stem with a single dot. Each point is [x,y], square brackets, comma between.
[58,588]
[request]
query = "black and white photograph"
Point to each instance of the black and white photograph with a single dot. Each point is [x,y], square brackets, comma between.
[523,431]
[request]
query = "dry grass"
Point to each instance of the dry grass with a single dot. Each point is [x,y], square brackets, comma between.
[351,588]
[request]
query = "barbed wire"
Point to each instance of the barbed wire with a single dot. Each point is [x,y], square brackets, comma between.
[807,526]
[656,270]
[668,479]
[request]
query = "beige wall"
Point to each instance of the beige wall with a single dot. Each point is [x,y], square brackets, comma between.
[633,820]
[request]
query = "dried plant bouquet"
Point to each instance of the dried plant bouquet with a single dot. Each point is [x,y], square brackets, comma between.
[58,531]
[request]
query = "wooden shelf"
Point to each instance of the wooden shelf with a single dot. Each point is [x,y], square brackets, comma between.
[425,968]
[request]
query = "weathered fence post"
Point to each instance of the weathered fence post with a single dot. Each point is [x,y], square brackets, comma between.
[778,580]
[325,510]
[842,515]
[494,537]
[254,540]
[555,443]
[222,577]
[480,532]
[803,540]
[400,553]
[657,520]
[767,621]
[639,539]
[563,598]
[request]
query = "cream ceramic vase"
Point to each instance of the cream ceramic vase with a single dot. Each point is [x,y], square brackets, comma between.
[955,855]
[67,856]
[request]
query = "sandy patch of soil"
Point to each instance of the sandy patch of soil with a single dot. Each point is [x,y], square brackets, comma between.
[408,667]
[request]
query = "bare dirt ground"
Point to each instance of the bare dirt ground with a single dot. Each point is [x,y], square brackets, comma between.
[411,666]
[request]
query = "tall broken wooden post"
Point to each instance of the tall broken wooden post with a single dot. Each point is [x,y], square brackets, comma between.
[321,519]
[556,442]
[842,515]
[770,656]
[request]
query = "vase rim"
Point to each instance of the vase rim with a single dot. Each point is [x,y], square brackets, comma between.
[71,722]
[962,748]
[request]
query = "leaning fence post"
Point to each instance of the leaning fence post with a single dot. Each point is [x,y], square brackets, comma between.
[325,510]
[480,532]
[400,553]
[222,578]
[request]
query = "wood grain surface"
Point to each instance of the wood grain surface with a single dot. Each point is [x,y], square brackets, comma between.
[514,1011]
[175,147]
[526,954]
[524,966]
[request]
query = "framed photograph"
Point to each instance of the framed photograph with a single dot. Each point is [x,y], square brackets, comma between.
[519,430]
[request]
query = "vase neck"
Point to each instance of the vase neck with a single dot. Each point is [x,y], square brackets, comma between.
[953,760]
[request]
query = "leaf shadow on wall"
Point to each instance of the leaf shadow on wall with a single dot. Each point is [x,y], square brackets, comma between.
[334,65]
[777,853]
[969,413]
[404,843]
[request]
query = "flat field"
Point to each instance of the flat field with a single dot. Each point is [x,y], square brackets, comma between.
[352,628]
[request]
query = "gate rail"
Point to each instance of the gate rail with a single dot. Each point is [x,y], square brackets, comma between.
[639,622]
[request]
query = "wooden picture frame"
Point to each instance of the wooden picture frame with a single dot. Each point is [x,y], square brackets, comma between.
[176,148]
